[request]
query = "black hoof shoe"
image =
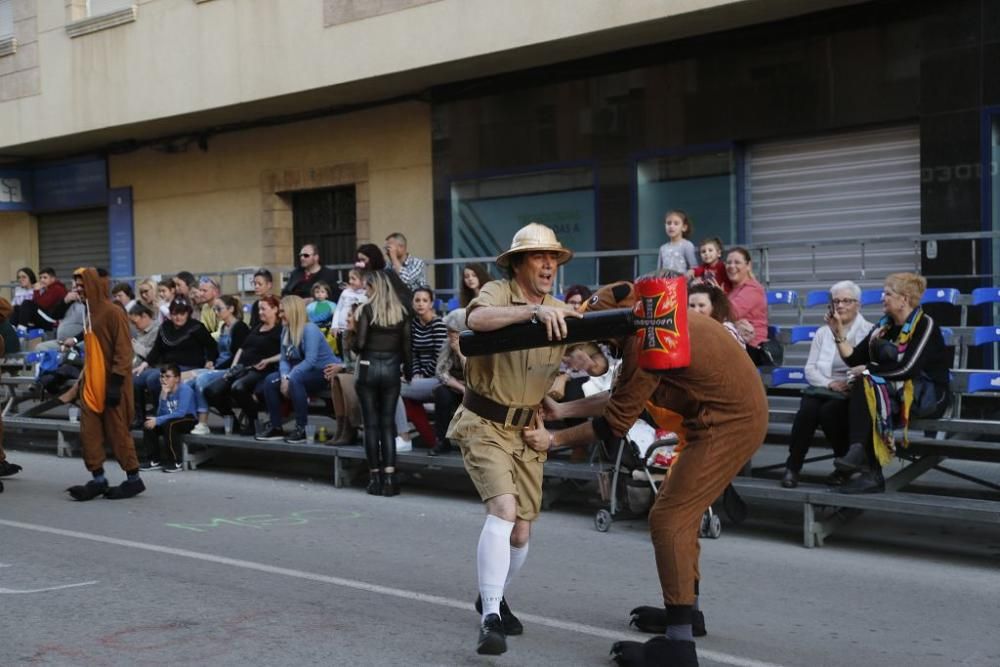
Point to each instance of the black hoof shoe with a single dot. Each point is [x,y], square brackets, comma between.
[88,491]
[649,619]
[628,654]
[126,489]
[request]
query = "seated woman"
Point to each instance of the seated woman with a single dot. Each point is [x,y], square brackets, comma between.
[304,355]
[256,358]
[748,303]
[382,343]
[824,401]
[576,295]
[707,299]
[428,335]
[263,285]
[24,291]
[899,372]
[182,340]
[232,332]
[166,292]
[451,374]
[148,295]
[474,276]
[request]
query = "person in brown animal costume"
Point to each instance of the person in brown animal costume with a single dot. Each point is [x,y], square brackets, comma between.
[106,403]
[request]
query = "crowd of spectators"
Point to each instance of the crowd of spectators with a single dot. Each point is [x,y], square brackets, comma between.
[380,347]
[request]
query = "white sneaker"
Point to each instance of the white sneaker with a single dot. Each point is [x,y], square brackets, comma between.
[201,429]
[403,445]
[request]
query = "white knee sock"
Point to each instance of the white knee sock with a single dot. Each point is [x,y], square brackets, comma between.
[517,556]
[493,560]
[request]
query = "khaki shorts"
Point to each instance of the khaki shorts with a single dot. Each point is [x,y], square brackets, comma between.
[498,461]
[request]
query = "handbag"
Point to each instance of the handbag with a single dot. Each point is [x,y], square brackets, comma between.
[772,353]
[236,372]
[824,392]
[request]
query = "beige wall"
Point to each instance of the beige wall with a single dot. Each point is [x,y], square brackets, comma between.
[18,244]
[205,211]
[181,57]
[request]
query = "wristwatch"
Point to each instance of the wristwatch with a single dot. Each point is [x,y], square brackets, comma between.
[534,314]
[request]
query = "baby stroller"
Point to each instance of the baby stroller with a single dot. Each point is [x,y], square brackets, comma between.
[641,464]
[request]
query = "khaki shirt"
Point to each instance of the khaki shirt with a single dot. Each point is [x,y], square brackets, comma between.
[514,379]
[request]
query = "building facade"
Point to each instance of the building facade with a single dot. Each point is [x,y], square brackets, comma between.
[159,135]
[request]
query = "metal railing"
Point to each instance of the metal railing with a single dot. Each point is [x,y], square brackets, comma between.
[238,280]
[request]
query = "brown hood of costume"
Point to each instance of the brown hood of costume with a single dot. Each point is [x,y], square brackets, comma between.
[615,295]
[95,289]
[5,309]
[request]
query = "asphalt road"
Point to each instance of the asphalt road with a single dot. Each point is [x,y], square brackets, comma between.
[235,568]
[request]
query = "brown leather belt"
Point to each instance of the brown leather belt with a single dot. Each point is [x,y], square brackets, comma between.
[497,412]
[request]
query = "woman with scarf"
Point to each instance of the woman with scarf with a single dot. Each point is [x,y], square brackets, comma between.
[898,372]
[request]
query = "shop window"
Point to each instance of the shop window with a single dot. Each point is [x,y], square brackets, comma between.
[6,19]
[703,185]
[99,7]
[327,218]
[487,212]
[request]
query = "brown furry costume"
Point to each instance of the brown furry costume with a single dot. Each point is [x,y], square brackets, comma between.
[110,326]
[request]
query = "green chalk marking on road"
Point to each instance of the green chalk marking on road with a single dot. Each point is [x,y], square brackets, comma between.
[260,521]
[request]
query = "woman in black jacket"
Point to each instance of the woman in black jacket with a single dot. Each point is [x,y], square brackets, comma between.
[382,342]
[899,372]
[182,341]
[255,360]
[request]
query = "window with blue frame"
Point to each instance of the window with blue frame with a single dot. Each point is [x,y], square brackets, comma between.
[487,212]
[702,184]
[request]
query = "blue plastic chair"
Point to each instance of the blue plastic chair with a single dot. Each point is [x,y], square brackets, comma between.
[941,295]
[803,334]
[982,295]
[984,335]
[452,303]
[817,298]
[984,382]
[438,303]
[949,336]
[773,332]
[790,375]
[782,297]
[871,296]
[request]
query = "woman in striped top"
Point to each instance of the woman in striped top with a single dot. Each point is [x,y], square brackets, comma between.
[428,335]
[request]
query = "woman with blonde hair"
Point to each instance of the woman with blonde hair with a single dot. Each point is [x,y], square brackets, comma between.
[382,342]
[304,355]
[146,294]
[898,372]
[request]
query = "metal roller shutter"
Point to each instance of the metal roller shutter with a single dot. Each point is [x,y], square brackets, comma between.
[67,241]
[844,187]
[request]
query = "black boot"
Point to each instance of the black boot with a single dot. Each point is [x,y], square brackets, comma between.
[654,621]
[870,481]
[657,651]
[837,478]
[88,491]
[855,460]
[390,484]
[511,624]
[791,479]
[7,468]
[374,483]
[127,489]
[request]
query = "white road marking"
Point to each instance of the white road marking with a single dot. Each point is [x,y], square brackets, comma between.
[15,591]
[593,631]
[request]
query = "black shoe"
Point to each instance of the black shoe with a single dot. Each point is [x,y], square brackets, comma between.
[271,434]
[837,478]
[390,484]
[374,483]
[511,625]
[867,482]
[127,489]
[172,467]
[247,424]
[150,465]
[88,491]
[657,651]
[7,468]
[855,460]
[296,437]
[492,640]
[654,621]
[791,479]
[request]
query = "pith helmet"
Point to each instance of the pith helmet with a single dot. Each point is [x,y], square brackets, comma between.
[534,237]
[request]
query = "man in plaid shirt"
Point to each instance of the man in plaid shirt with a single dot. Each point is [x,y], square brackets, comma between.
[411,270]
